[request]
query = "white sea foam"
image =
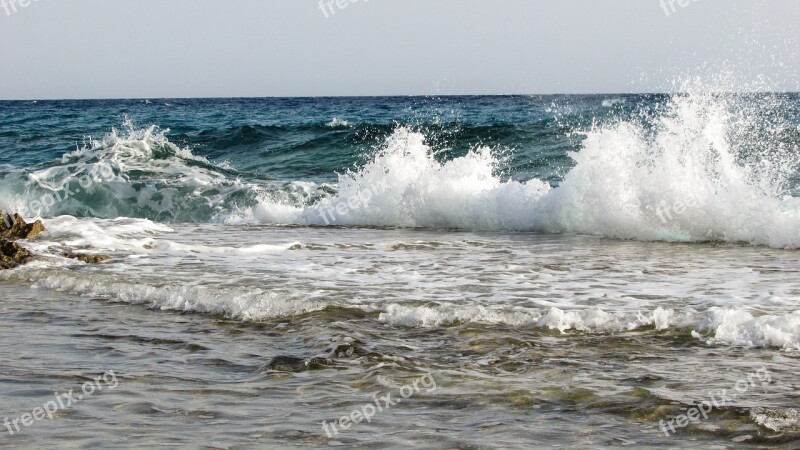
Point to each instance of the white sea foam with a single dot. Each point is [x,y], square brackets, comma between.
[338,122]
[716,326]
[219,269]
[737,326]
[241,304]
[97,235]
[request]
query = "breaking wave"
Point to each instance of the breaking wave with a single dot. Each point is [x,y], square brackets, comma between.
[703,167]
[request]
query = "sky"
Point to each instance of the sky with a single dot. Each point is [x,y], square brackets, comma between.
[57,49]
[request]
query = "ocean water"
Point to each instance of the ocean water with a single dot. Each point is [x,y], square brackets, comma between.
[550,271]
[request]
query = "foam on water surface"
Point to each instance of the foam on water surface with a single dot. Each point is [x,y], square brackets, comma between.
[435,279]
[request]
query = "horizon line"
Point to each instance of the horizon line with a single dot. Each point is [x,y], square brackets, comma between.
[378,96]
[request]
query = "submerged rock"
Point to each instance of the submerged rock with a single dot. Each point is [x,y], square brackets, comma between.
[349,349]
[294,364]
[88,259]
[286,364]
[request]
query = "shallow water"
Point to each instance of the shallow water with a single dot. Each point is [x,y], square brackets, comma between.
[556,341]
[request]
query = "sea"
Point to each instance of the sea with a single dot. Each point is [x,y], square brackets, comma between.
[474,272]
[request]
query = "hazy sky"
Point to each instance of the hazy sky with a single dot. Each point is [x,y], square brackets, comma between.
[242,48]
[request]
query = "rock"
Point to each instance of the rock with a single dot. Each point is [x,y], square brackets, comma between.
[319,363]
[12,254]
[34,229]
[88,259]
[12,227]
[15,227]
[294,364]
[348,350]
[286,364]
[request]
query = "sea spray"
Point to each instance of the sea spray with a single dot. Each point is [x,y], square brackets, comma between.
[683,176]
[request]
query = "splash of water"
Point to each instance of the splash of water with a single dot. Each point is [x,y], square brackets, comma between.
[692,174]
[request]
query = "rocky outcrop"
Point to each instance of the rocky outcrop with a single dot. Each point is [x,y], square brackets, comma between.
[12,254]
[14,227]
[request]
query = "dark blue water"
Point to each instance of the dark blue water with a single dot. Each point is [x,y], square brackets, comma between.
[287,138]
